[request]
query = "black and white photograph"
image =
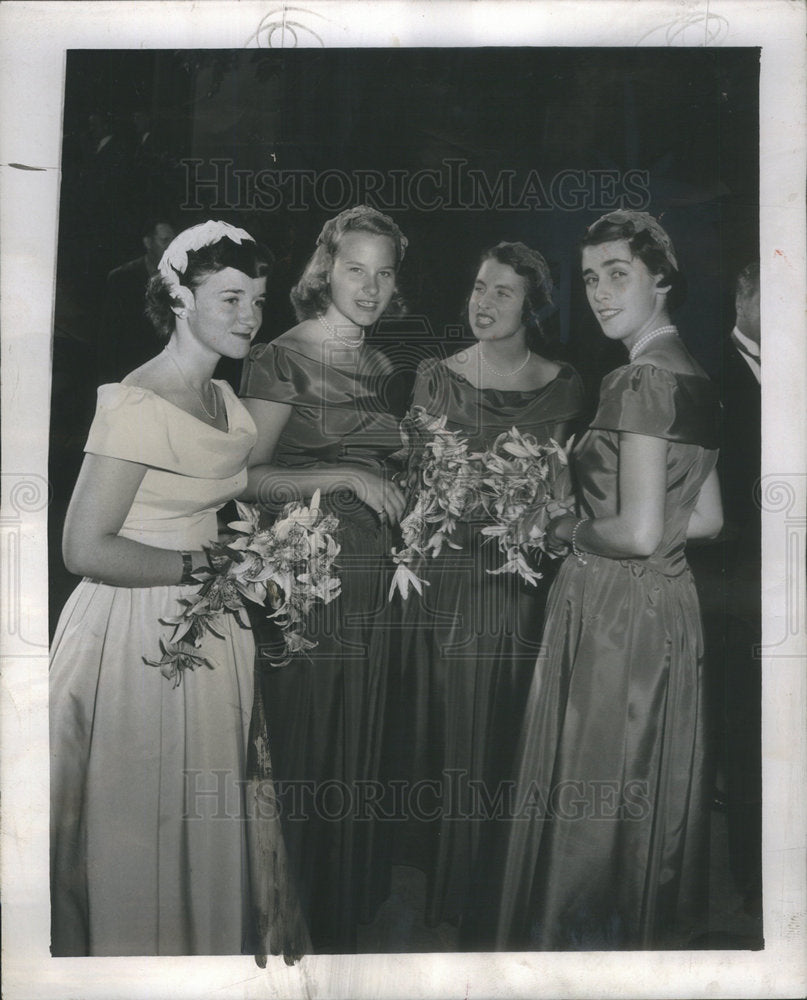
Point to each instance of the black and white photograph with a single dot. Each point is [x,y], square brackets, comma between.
[405,538]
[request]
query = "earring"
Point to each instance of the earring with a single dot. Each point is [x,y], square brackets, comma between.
[182,314]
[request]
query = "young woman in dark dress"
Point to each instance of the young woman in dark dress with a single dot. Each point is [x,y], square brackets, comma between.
[314,394]
[468,645]
[609,847]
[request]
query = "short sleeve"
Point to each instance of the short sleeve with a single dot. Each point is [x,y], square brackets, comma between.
[272,373]
[643,399]
[136,425]
[129,424]
[426,390]
[571,395]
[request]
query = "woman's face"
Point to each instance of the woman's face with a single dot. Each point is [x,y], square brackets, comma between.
[362,278]
[497,301]
[623,294]
[227,312]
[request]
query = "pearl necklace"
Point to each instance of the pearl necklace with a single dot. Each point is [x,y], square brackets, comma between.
[495,371]
[176,365]
[334,332]
[647,337]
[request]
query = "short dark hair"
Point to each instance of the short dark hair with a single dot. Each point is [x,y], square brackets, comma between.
[644,245]
[747,281]
[538,304]
[311,295]
[252,259]
[149,225]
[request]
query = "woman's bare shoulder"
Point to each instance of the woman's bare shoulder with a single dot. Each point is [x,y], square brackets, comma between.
[306,332]
[462,360]
[305,338]
[156,374]
[546,370]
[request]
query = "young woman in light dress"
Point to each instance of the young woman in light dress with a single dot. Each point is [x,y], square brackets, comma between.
[149,845]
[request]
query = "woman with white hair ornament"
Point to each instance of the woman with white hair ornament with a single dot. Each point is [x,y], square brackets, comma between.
[149,848]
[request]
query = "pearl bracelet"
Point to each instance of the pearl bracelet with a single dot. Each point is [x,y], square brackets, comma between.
[575,549]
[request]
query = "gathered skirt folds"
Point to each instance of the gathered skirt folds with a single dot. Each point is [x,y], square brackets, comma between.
[464,656]
[609,842]
[323,720]
[149,845]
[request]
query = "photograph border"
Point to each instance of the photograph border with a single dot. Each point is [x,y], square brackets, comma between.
[35,38]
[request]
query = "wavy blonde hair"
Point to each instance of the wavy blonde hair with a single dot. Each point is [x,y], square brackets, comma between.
[312,294]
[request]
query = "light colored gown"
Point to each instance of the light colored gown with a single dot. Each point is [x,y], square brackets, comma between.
[149,851]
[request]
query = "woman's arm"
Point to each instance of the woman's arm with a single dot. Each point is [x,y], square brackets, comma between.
[563,432]
[91,546]
[271,484]
[637,527]
[706,520]
[264,480]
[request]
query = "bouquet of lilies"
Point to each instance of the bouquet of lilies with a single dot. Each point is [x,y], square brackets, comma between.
[288,565]
[511,484]
[521,477]
[444,484]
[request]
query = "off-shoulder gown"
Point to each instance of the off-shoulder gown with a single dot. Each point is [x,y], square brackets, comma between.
[149,844]
[325,709]
[609,845]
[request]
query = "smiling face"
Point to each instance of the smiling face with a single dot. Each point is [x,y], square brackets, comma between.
[497,301]
[625,297]
[227,312]
[362,279]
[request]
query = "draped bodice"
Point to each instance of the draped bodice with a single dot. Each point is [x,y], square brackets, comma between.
[338,409]
[192,468]
[480,415]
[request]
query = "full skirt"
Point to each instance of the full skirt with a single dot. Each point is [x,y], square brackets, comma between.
[322,716]
[464,651]
[608,843]
[149,844]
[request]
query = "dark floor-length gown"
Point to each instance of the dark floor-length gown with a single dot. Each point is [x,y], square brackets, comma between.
[609,847]
[324,710]
[466,648]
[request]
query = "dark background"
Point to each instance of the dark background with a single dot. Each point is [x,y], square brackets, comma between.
[688,117]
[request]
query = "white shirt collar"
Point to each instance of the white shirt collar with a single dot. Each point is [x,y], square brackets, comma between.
[748,344]
[750,353]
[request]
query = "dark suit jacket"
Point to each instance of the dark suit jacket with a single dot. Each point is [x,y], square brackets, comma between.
[126,338]
[739,470]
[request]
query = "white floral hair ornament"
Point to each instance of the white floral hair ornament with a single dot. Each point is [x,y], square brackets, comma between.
[641,221]
[175,259]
